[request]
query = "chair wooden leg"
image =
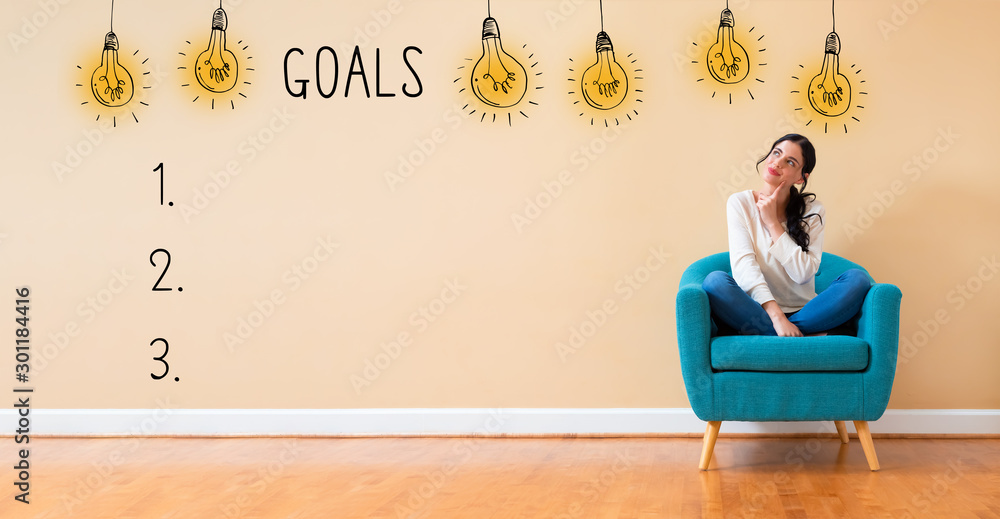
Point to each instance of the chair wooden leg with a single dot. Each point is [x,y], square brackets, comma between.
[842,431]
[711,434]
[865,436]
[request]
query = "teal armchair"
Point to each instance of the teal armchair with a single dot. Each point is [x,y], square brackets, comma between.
[761,379]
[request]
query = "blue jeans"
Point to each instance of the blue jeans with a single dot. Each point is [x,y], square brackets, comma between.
[831,308]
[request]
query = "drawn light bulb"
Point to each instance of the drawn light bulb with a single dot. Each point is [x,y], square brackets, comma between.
[728,61]
[216,68]
[829,91]
[497,79]
[605,83]
[112,84]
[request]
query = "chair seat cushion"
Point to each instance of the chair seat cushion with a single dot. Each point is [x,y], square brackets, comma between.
[761,353]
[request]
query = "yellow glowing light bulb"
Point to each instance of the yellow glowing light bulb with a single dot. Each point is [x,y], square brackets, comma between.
[727,59]
[112,84]
[829,91]
[497,79]
[216,68]
[605,83]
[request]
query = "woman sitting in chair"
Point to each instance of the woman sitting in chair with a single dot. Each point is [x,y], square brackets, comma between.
[775,246]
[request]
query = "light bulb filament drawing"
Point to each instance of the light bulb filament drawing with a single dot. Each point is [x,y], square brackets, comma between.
[498,82]
[605,83]
[498,79]
[111,83]
[220,66]
[610,83]
[728,61]
[830,91]
[497,73]
[216,68]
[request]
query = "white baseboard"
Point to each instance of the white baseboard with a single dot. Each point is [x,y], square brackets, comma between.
[166,421]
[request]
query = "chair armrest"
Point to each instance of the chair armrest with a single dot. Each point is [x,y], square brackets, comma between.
[693,339]
[878,325]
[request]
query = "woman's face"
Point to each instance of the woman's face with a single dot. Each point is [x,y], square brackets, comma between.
[784,164]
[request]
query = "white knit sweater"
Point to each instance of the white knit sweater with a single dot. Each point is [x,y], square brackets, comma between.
[782,272]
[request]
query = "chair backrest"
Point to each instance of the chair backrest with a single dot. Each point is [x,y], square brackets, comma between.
[830,267]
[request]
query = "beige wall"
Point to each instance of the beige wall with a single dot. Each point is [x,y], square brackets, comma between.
[656,185]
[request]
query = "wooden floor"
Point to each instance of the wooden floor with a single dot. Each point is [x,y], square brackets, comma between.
[502,478]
